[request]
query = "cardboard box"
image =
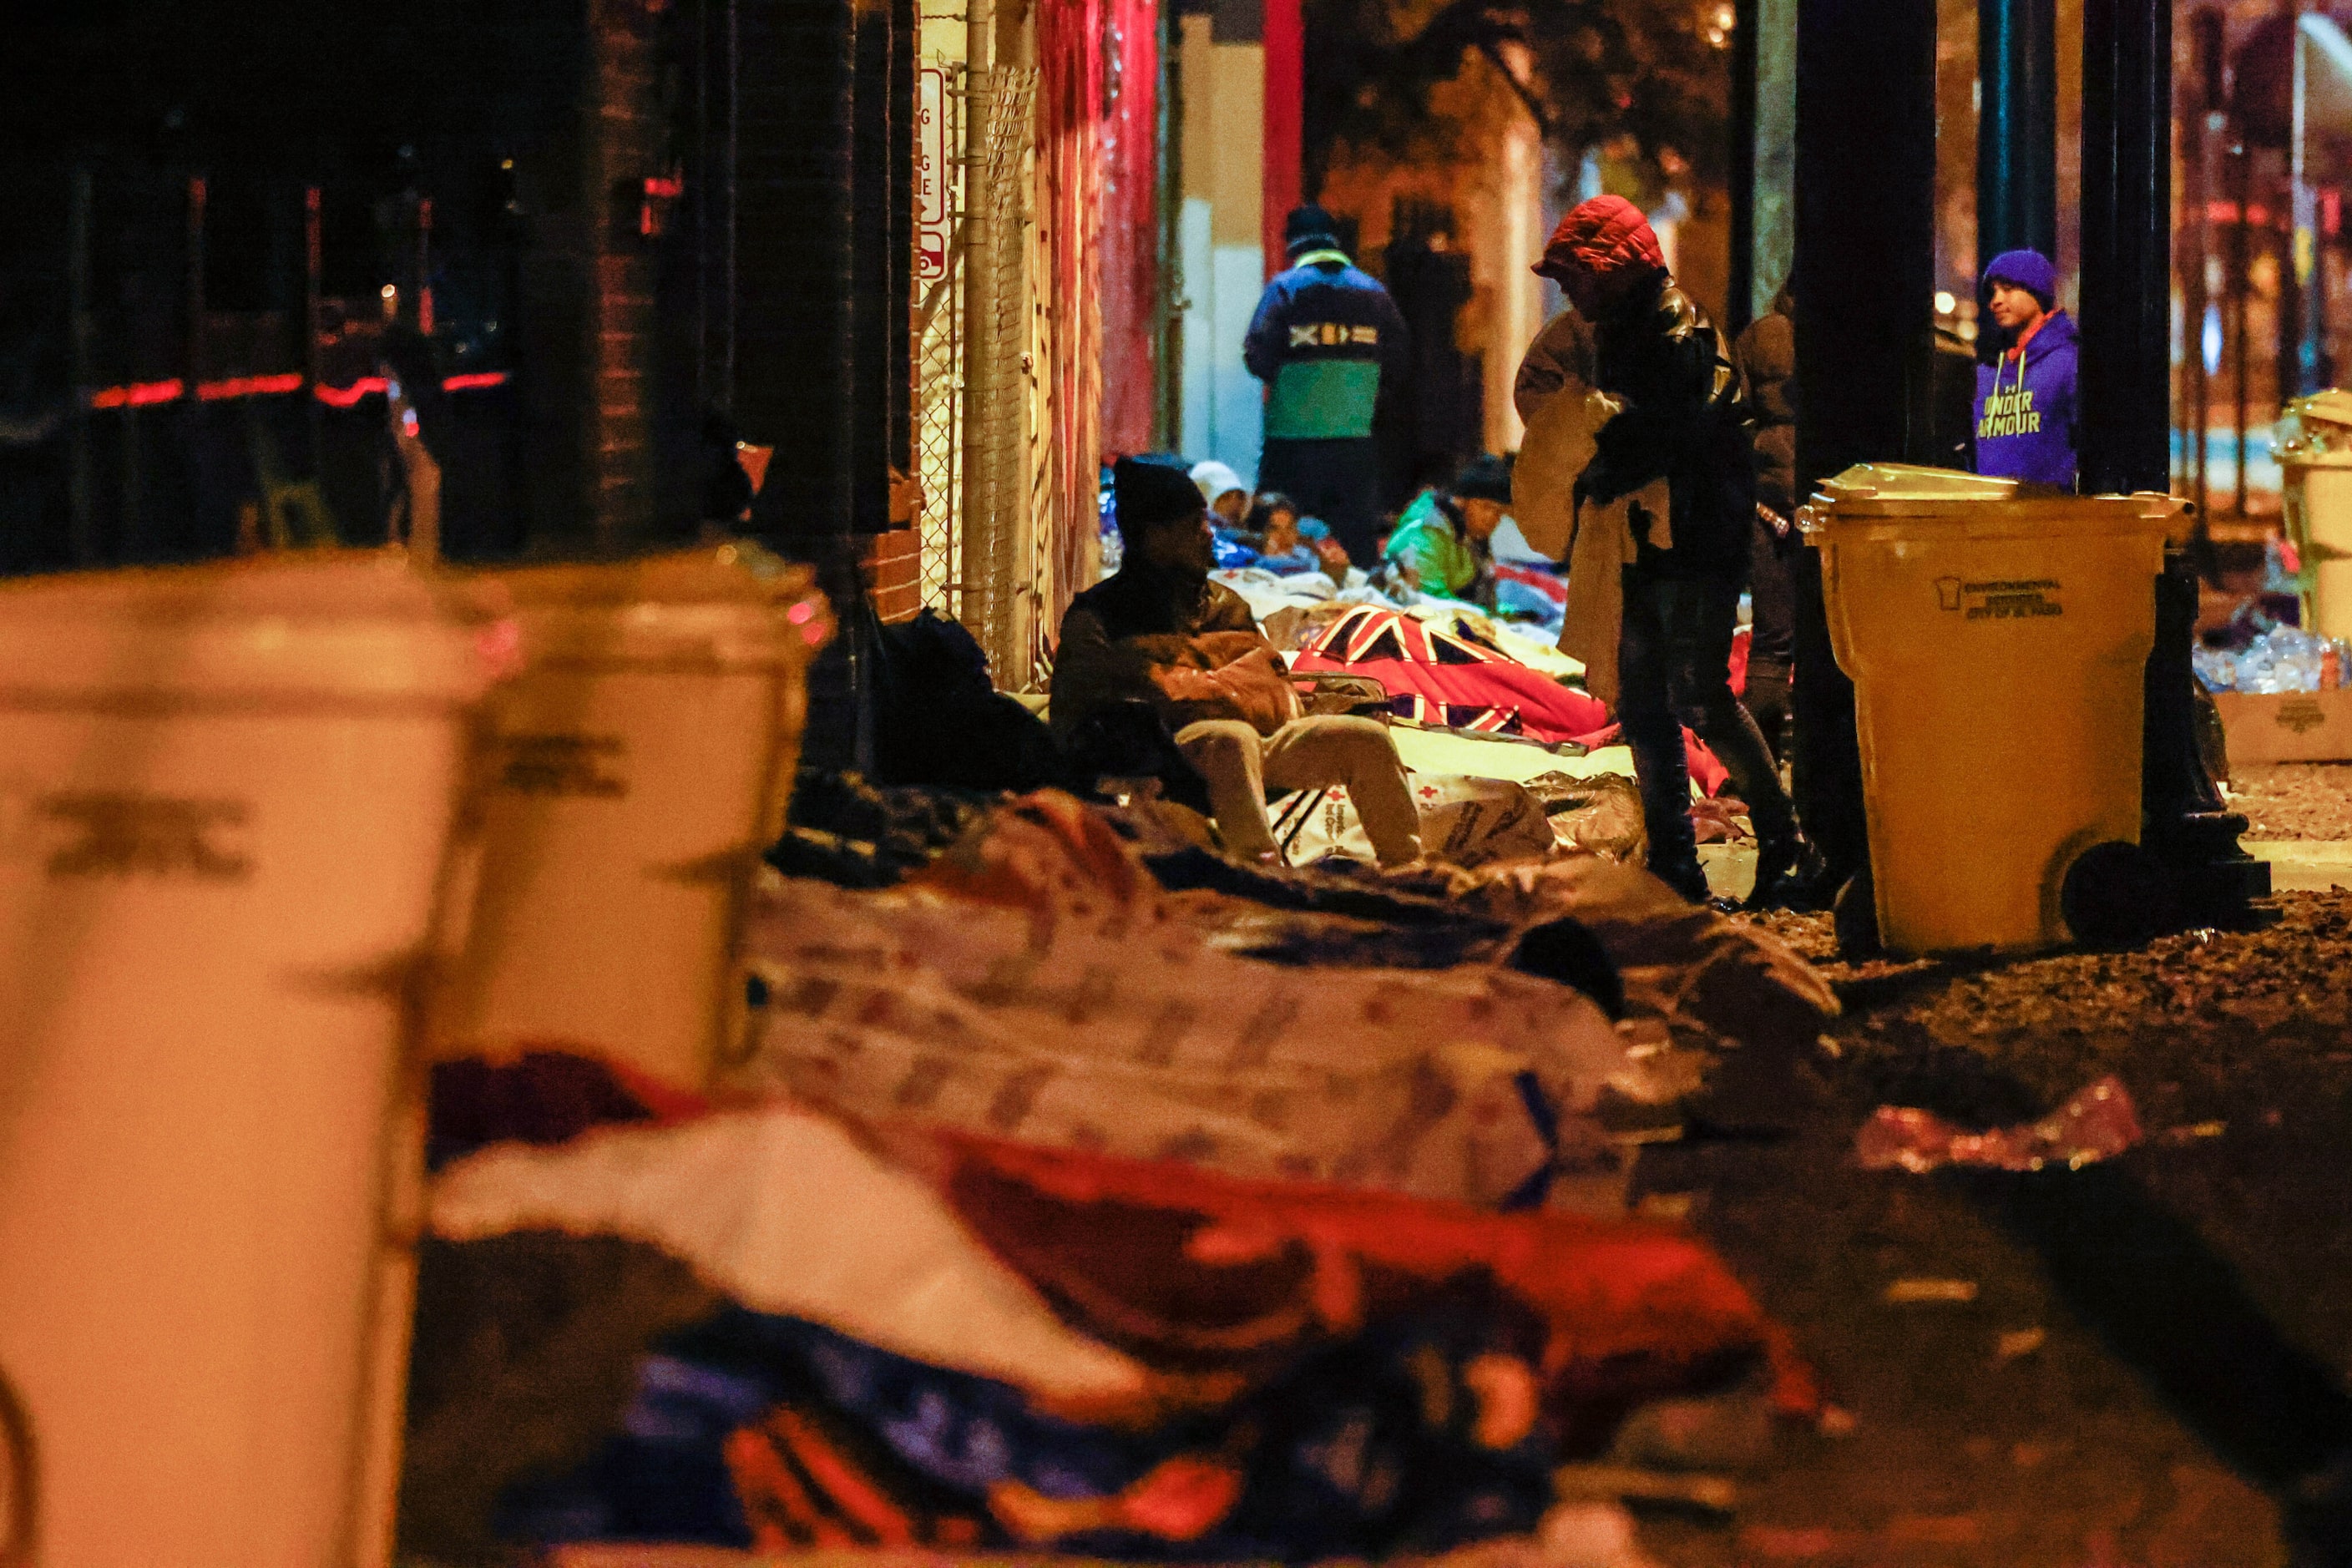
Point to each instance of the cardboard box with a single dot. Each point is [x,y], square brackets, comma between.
[2287,727]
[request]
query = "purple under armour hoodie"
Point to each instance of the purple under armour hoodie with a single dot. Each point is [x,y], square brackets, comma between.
[2025,400]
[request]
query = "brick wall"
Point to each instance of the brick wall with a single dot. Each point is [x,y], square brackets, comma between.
[625,139]
[895,559]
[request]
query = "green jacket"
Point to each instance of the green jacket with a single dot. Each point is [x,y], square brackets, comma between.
[1444,560]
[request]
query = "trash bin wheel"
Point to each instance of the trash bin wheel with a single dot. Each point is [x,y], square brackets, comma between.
[1855,917]
[2118,895]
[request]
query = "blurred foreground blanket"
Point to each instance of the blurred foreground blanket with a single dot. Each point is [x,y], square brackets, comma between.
[1233,1370]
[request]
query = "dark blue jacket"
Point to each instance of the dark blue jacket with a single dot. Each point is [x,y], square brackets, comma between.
[2025,412]
[1325,338]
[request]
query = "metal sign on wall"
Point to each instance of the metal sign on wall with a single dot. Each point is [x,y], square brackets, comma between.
[933,174]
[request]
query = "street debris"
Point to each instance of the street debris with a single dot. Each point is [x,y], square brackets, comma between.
[2016,1342]
[2096,1124]
[2295,800]
[1588,1483]
[1910,1292]
[2286,658]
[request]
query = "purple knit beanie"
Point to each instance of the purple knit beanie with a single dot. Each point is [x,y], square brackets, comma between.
[2029,269]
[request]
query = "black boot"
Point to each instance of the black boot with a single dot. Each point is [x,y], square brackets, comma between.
[1801,884]
[1686,878]
[1776,858]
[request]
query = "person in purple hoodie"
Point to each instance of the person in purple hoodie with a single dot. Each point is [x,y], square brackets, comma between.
[2025,397]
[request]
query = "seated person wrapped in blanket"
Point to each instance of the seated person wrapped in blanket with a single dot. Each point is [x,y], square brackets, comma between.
[1160,633]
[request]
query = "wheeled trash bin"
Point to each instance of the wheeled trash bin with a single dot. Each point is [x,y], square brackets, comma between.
[1997,636]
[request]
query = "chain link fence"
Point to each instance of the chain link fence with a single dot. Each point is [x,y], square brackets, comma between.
[939,389]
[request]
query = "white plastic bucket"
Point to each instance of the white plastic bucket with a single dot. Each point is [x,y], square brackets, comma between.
[2315,460]
[225,792]
[633,773]
[2319,520]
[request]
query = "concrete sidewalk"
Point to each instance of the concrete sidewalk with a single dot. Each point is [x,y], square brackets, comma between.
[2297,865]
[2304,864]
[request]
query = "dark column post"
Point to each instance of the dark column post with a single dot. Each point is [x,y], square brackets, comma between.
[1739,308]
[2016,127]
[2126,422]
[1866,229]
[1865,198]
[2202,116]
[2126,280]
[1763,105]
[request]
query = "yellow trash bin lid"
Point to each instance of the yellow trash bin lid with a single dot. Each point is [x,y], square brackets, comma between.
[1893,500]
[686,605]
[2317,425]
[339,625]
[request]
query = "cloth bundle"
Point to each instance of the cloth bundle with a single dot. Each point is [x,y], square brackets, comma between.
[1408,655]
[1157,1326]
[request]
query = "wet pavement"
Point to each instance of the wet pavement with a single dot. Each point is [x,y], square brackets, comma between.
[2293,800]
[2134,1363]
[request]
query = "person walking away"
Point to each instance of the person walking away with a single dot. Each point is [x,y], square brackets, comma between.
[1684,420]
[1326,340]
[1766,355]
[2025,427]
[1159,632]
[1444,544]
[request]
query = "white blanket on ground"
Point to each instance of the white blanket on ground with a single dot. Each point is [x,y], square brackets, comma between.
[786,1212]
[1500,756]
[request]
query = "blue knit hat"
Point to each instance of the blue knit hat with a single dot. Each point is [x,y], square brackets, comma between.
[2029,269]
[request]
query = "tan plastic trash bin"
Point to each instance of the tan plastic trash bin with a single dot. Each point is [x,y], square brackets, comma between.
[2315,460]
[634,770]
[1997,639]
[225,792]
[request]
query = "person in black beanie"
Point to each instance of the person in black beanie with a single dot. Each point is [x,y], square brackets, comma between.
[1444,544]
[1330,343]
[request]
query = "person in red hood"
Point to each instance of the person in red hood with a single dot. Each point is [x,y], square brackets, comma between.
[1685,420]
